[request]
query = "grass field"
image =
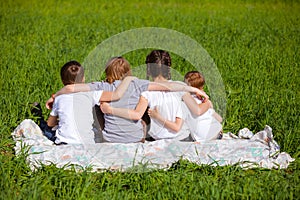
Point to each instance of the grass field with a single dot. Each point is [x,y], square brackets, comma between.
[254,44]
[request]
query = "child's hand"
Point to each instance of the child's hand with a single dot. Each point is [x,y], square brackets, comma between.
[153,113]
[105,107]
[49,103]
[202,95]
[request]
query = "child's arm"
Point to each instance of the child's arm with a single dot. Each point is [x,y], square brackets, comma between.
[52,121]
[119,92]
[217,117]
[73,88]
[173,126]
[196,109]
[176,87]
[131,114]
[67,89]
[81,87]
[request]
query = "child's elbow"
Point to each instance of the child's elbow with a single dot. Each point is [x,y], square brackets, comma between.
[176,129]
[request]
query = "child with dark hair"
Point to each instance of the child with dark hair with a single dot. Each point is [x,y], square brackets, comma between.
[72,72]
[74,111]
[170,124]
[159,62]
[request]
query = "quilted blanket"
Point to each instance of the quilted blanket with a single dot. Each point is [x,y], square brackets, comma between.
[258,150]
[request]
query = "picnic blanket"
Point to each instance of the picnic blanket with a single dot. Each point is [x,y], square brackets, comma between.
[257,150]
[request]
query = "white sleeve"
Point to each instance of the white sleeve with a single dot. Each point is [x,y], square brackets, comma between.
[147,96]
[96,96]
[179,102]
[179,111]
[54,109]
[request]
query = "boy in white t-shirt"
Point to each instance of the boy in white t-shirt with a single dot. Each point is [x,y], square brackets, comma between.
[75,111]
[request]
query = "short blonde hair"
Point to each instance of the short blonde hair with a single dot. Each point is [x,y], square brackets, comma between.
[117,68]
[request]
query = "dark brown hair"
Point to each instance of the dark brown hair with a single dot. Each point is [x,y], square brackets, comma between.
[72,72]
[117,68]
[194,79]
[158,63]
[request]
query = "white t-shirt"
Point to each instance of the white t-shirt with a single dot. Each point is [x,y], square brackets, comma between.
[203,127]
[75,112]
[169,105]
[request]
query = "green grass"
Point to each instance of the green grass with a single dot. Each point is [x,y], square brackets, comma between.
[254,44]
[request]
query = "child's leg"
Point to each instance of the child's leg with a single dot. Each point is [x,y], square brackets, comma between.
[47,131]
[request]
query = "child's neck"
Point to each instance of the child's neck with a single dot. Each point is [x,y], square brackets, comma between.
[159,79]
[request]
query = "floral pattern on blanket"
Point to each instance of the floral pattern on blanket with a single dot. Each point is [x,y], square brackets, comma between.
[246,153]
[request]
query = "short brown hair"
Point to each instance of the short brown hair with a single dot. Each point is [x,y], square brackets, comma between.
[194,79]
[116,69]
[158,63]
[72,72]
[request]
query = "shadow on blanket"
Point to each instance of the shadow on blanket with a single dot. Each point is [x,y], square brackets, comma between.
[258,151]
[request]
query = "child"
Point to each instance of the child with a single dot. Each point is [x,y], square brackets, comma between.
[75,110]
[204,126]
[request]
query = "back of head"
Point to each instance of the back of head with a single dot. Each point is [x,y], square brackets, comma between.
[158,63]
[72,72]
[194,79]
[116,69]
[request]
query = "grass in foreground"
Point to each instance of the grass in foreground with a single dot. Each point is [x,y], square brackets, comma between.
[183,180]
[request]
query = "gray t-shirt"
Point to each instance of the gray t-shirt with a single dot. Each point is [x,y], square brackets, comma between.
[117,129]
